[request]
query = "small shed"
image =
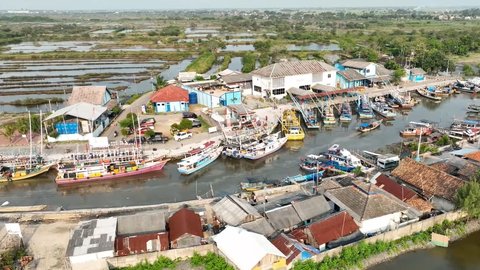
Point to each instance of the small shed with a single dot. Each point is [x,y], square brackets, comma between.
[311,207]
[260,226]
[417,75]
[283,218]
[185,229]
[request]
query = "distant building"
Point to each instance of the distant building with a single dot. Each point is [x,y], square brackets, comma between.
[79,122]
[239,81]
[416,75]
[212,94]
[248,250]
[235,211]
[185,229]
[367,69]
[170,99]
[370,73]
[92,240]
[350,78]
[96,95]
[186,76]
[274,80]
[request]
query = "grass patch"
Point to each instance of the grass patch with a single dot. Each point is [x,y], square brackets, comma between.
[133,98]
[353,256]
[226,62]
[33,101]
[211,261]
[8,260]
[205,124]
[161,263]
[203,63]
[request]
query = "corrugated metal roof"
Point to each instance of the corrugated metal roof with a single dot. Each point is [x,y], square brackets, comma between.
[141,223]
[184,221]
[80,110]
[260,226]
[283,217]
[237,78]
[312,207]
[235,211]
[332,228]
[243,248]
[351,75]
[138,244]
[293,68]
[417,71]
[90,94]
[356,64]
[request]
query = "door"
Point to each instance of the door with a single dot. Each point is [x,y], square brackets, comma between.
[167,107]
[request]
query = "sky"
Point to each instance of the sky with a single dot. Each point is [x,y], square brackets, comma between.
[212,4]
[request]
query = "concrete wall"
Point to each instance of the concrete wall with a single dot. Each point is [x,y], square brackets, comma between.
[396,234]
[173,254]
[176,106]
[380,224]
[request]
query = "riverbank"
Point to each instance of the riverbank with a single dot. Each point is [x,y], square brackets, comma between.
[471,226]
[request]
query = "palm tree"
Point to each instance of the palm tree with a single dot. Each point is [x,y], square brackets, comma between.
[160,82]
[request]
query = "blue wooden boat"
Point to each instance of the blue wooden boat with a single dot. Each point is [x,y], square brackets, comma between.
[304,178]
[364,109]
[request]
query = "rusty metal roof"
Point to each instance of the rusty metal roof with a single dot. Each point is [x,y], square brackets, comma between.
[184,221]
[333,227]
[292,68]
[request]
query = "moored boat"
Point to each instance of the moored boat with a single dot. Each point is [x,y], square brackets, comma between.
[329,116]
[22,169]
[364,109]
[413,131]
[267,146]
[383,110]
[81,173]
[291,126]
[367,127]
[199,161]
[428,94]
[345,112]
[311,119]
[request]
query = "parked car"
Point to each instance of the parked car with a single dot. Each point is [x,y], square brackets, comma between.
[158,139]
[195,122]
[182,136]
[148,122]
[189,115]
[137,140]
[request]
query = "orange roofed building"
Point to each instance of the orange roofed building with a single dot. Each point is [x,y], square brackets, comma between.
[170,99]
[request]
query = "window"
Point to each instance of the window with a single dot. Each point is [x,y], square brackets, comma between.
[305,87]
[367,70]
[257,89]
[279,91]
[329,75]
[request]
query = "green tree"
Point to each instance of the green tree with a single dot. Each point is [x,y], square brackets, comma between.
[468,70]
[8,131]
[398,74]
[392,65]
[468,197]
[149,133]
[160,82]
[130,121]
[262,45]
[171,30]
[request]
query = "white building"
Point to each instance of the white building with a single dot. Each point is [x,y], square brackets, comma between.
[274,80]
[367,69]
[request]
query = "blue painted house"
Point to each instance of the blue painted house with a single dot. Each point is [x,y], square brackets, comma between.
[170,99]
[350,78]
[416,75]
[216,98]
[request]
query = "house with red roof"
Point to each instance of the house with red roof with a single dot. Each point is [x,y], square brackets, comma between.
[171,98]
[185,229]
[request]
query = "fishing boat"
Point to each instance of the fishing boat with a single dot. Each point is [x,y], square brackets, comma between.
[473,108]
[335,157]
[22,168]
[413,131]
[383,109]
[311,119]
[71,174]
[405,101]
[267,146]
[428,94]
[199,161]
[254,184]
[345,112]
[329,116]
[291,126]
[304,178]
[364,109]
[367,127]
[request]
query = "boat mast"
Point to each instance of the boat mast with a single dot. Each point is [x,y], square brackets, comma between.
[41,135]
[419,144]
[31,145]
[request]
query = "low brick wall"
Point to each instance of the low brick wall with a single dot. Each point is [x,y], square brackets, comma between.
[183,253]
[396,234]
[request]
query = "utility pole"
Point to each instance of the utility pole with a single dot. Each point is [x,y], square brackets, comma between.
[31,143]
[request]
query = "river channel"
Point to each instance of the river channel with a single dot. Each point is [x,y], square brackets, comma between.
[224,175]
[460,255]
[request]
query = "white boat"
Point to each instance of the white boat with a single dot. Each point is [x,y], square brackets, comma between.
[329,117]
[266,147]
[383,110]
[199,161]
